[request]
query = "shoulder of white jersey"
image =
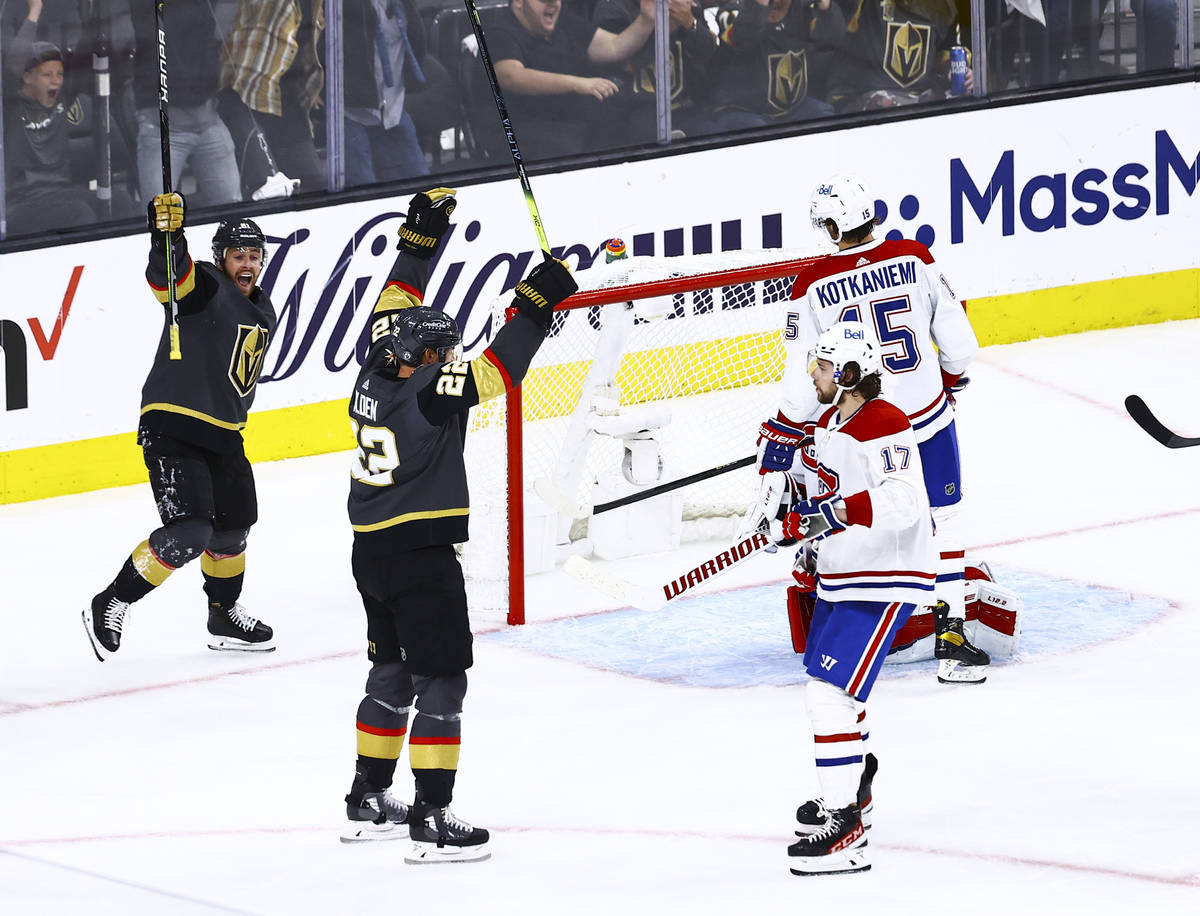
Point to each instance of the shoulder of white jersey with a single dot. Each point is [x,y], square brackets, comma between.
[876,419]
[826,417]
[852,258]
[895,248]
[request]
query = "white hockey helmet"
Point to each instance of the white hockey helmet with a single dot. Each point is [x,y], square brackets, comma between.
[843,199]
[848,342]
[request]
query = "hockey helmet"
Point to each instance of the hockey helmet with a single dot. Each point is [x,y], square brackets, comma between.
[848,342]
[843,199]
[237,233]
[420,328]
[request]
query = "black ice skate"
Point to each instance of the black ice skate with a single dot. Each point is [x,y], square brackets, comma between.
[439,836]
[374,813]
[232,629]
[839,847]
[103,619]
[959,661]
[813,815]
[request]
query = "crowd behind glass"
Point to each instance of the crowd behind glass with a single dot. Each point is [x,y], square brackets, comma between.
[270,98]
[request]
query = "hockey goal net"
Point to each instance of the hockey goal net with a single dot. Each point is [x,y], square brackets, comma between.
[656,370]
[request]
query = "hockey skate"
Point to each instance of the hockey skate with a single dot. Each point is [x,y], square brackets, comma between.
[233,630]
[439,836]
[839,847]
[374,813]
[813,815]
[959,662]
[103,619]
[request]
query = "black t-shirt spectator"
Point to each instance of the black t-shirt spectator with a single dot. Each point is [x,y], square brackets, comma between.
[565,51]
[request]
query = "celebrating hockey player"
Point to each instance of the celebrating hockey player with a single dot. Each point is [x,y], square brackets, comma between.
[926,343]
[193,413]
[869,516]
[408,507]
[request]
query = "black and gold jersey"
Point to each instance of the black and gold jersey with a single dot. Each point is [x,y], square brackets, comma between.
[898,46]
[771,68]
[408,485]
[204,397]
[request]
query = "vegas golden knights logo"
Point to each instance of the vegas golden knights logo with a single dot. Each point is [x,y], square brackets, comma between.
[247,358]
[789,80]
[906,51]
[644,81]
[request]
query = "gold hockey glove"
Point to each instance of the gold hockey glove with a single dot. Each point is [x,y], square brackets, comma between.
[165,212]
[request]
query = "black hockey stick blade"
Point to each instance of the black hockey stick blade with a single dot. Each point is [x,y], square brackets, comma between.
[1146,420]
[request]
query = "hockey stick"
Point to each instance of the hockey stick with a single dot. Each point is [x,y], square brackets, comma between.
[164,138]
[1146,420]
[506,123]
[653,596]
[557,499]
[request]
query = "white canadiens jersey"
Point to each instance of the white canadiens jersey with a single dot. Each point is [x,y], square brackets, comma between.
[894,288]
[886,553]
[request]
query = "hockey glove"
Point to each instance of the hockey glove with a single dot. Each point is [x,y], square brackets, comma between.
[165,212]
[813,519]
[777,444]
[427,221]
[547,285]
[953,385]
[776,491]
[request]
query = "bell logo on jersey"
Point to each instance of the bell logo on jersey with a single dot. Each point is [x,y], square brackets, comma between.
[827,662]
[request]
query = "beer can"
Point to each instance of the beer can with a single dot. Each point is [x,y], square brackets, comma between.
[958,70]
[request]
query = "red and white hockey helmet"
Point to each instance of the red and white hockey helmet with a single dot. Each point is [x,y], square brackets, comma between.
[848,342]
[843,199]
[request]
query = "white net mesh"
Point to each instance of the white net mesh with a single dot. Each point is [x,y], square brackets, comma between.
[684,377]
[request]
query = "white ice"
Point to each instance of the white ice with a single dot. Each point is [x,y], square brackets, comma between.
[172,779]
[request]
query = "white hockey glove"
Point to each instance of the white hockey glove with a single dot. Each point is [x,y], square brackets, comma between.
[278,185]
[777,490]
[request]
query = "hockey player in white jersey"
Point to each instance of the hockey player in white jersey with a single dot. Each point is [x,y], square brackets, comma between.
[869,514]
[926,343]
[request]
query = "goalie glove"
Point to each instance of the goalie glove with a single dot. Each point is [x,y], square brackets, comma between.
[813,519]
[427,220]
[777,444]
[776,491]
[547,285]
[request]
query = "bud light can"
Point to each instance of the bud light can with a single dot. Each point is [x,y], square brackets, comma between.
[958,70]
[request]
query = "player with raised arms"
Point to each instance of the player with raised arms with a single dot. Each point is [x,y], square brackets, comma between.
[870,517]
[408,507]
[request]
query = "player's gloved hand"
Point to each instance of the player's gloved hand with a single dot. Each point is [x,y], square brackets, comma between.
[953,385]
[813,519]
[165,212]
[776,491]
[546,286]
[777,444]
[427,221]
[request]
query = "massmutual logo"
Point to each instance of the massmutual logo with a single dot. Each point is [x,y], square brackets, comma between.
[1007,190]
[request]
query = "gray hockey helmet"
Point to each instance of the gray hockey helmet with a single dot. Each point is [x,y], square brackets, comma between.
[420,328]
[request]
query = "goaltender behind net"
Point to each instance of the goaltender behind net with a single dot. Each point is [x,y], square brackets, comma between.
[408,506]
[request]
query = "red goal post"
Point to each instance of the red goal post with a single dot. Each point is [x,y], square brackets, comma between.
[679,345]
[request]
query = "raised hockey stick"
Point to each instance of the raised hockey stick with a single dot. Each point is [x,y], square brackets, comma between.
[652,596]
[164,138]
[506,123]
[1146,420]
[557,499]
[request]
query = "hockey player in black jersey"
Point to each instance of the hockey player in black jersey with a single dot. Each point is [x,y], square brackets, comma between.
[408,507]
[193,413]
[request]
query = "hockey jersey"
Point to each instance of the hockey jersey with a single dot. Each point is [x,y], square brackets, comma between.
[895,288]
[886,552]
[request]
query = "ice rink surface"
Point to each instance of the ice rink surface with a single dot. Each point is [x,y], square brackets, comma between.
[628,764]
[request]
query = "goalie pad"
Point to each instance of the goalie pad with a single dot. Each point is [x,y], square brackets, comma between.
[993,621]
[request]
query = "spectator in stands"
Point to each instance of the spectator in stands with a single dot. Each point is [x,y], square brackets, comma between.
[272,60]
[773,62]
[554,97]
[624,40]
[384,44]
[897,52]
[200,140]
[1071,23]
[55,21]
[41,191]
